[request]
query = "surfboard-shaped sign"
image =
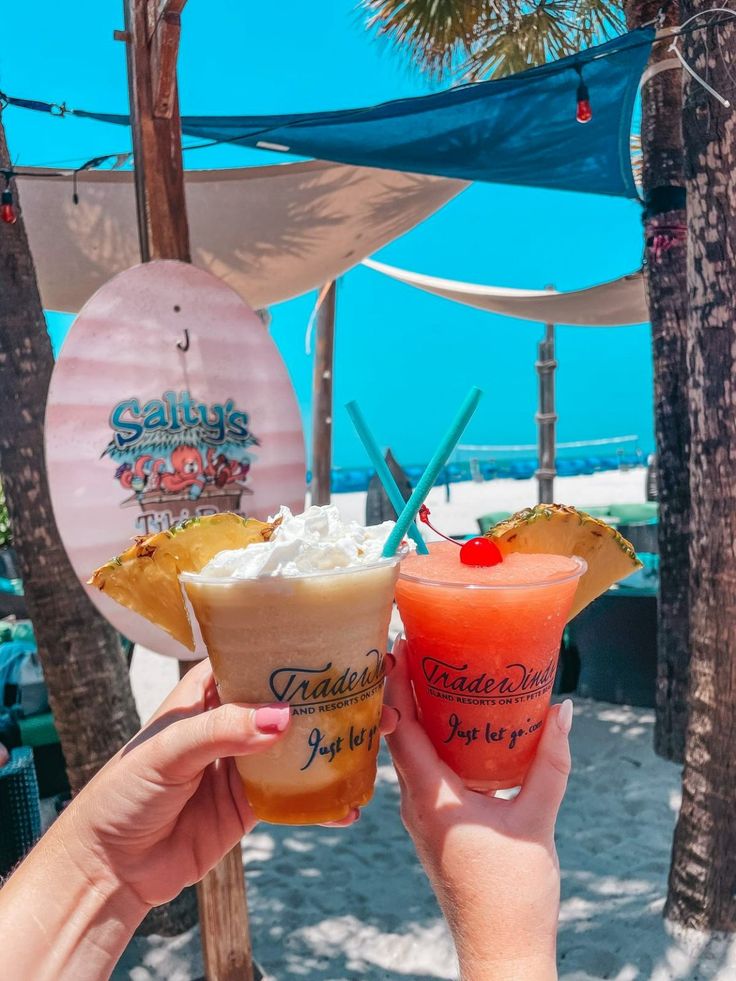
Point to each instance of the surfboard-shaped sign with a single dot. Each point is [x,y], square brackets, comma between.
[169,400]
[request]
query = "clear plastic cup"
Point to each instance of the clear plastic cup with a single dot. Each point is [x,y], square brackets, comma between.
[318,642]
[483,660]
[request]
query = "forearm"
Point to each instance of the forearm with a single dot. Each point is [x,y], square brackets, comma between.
[61,920]
[498,945]
[535,968]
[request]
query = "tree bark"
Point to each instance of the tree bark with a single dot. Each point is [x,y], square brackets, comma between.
[663,181]
[85,670]
[84,665]
[703,872]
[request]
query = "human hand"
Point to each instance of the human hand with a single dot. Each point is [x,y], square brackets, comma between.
[156,818]
[171,804]
[167,807]
[491,862]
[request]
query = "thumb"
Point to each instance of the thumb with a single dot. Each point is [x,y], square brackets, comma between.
[540,797]
[181,750]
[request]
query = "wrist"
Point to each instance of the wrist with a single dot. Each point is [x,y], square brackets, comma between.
[65,915]
[534,968]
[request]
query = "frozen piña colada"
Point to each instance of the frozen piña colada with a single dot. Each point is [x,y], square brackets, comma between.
[303,619]
[292,610]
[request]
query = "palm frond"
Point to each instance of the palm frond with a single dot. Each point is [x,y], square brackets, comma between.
[490,38]
[511,42]
[437,34]
[596,20]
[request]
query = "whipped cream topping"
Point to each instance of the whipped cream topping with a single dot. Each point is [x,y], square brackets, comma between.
[316,541]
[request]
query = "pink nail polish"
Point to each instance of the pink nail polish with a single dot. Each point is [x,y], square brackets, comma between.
[270,719]
[564,716]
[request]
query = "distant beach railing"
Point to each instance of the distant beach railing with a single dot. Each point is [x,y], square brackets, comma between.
[520,447]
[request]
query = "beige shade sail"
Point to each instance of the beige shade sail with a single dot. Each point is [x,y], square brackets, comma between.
[271,233]
[619,303]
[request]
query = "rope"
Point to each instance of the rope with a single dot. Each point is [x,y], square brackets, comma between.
[519,447]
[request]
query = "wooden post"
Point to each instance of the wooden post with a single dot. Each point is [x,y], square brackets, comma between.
[324,352]
[151,33]
[546,416]
[227,952]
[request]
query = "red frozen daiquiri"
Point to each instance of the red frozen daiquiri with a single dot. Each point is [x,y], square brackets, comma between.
[484,627]
[483,648]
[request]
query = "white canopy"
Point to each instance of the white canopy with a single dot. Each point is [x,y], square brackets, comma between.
[270,232]
[618,303]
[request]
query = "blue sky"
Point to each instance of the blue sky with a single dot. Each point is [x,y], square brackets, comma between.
[407,357]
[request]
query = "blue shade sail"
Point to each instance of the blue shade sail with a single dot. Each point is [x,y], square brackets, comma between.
[518,130]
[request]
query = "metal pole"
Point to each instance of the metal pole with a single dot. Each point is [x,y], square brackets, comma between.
[546,416]
[324,353]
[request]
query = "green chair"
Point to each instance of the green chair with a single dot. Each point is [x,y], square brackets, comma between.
[603,513]
[487,521]
[598,511]
[631,514]
[38,733]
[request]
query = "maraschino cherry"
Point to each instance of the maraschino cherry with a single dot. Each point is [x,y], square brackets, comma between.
[480,551]
[476,551]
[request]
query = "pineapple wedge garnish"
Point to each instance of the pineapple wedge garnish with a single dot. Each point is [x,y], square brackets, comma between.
[145,577]
[557,529]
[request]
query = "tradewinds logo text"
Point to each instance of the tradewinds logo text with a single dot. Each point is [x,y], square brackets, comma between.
[324,685]
[516,679]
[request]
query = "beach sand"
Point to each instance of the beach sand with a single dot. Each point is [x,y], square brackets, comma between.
[330,905]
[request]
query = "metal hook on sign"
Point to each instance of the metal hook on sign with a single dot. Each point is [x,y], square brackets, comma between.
[185,345]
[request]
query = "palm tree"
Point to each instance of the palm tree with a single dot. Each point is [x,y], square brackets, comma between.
[84,666]
[85,670]
[474,39]
[702,890]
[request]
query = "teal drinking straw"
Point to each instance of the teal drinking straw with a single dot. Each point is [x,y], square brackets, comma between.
[426,481]
[384,474]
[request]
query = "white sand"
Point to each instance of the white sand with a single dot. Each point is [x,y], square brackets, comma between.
[329,905]
[468,501]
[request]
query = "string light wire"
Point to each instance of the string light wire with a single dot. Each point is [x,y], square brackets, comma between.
[687,27]
[681,58]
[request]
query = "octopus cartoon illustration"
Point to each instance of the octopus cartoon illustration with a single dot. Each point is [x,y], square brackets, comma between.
[189,473]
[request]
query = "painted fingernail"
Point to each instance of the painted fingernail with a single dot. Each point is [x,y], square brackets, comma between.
[390,662]
[270,719]
[564,716]
[398,714]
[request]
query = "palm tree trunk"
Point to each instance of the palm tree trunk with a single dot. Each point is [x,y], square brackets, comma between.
[85,670]
[703,872]
[663,181]
[84,666]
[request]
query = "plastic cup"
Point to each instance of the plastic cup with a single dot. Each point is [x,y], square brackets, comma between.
[317,642]
[483,660]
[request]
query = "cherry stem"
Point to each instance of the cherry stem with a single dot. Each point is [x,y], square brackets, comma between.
[424,513]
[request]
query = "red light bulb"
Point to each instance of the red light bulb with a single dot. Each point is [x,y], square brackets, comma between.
[480,551]
[7,211]
[584,112]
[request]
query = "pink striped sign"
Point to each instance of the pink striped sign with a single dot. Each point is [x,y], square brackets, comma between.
[169,400]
